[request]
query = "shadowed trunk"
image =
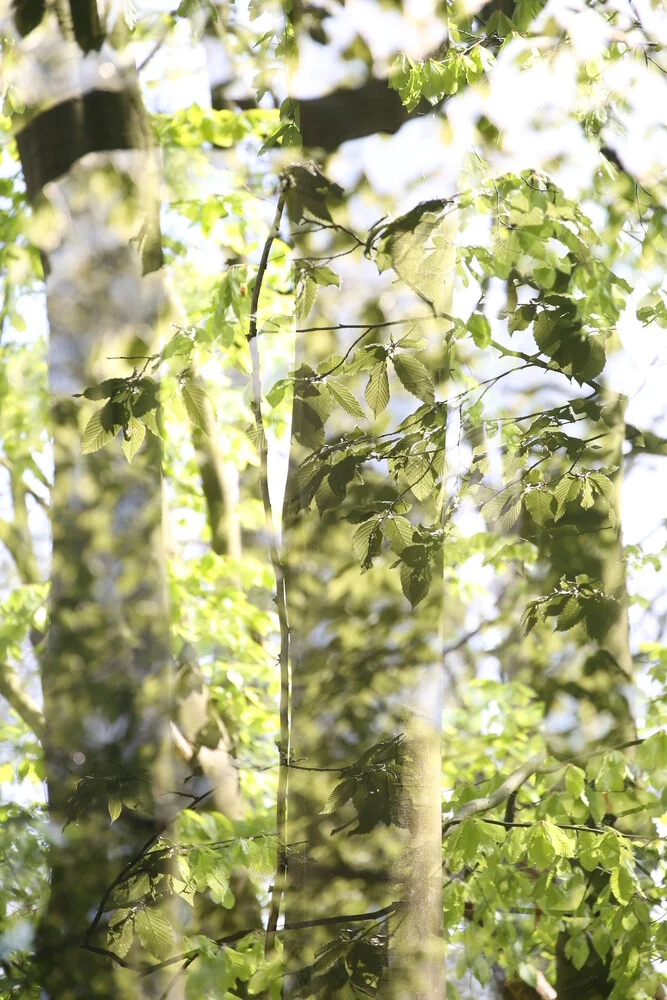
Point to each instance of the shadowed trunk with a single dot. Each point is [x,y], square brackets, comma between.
[105,666]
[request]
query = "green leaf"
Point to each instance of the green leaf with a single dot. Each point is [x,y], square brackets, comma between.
[133,437]
[150,422]
[155,932]
[180,345]
[345,398]
[480,328]
[363,537]
[566,489]
[377,390]
[415,376]
[652,754]
[575,780]
[115,806]
[577,950]
[305,297]
[589,850]
[147,399]
[540,505]
[415,582]
[564,842]
[265,975]
[326,276]
[196,402]
[95,436]
[341,794]
[622,885]
[419,477]
[399,532]
[571,613]
[539,846]
[587,500]
[105,390]
[420,246]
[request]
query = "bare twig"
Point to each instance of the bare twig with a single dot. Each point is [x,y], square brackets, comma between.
[281,594]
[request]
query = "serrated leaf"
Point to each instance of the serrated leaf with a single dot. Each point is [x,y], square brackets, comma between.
[104,390]
[539,848]
[150,421]
[345,398]
[415,376]
[398,531]
[155,932]
[415,582]
[652,754]
[362,537]
[420,246]
[119,938]
[95,436]
[217,881]
[539,504]
[528,618]
[575,780]
[196,402]
[377,390]
[419,477]
[587,494]
[180,345]
[480,328]
[306,296]
[133,438]
[563,493]
[571,613]
[577,950]
[341,794]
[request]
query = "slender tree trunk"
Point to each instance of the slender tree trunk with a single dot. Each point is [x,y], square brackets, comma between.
[366,675]
[105,668]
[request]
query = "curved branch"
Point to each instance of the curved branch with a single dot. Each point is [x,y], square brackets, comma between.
[23,704]
[509,785]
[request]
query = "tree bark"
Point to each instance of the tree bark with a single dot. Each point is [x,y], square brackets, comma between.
[106,666]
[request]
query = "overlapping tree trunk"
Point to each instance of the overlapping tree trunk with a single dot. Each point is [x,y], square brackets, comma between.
[90,172]
[366,689]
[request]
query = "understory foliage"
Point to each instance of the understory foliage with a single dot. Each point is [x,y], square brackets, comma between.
[500,439]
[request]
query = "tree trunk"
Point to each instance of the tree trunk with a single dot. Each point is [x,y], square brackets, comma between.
[366,688]
[105,670]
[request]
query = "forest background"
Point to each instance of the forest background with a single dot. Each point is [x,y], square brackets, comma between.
[331,383]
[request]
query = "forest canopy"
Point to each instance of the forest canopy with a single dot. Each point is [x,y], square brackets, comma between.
[332,463]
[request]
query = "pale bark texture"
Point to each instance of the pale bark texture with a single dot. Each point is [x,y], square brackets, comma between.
[91,174]
[366,669]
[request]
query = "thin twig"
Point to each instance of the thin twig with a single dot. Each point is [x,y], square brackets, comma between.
[281,593]
[132,863]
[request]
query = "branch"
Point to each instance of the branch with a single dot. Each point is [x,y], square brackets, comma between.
[131,864]
[294,925]
[281,593]
[509,785]
[19,699]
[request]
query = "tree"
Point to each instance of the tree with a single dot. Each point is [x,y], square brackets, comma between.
[456,344]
